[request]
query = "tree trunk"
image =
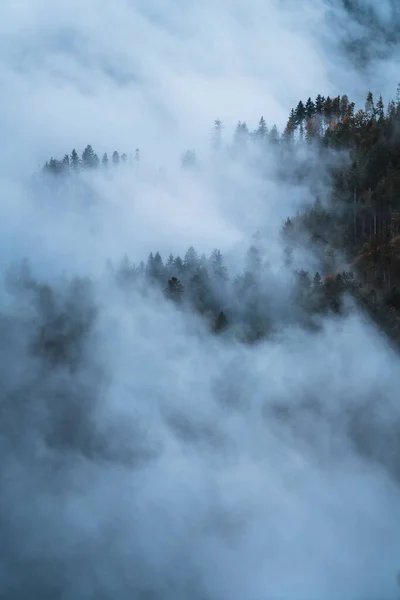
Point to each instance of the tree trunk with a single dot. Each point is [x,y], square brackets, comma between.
[354,214]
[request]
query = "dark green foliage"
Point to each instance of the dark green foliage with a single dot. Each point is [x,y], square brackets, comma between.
[309,108]
[191,261]
[221,322]
[89,158]
[218,268]
[175,289]
[74,161]
[155,267]
[199,291]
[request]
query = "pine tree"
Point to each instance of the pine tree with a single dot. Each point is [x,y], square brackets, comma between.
[54,166]
[319,104]
[191,260]
[369,105]
[74,161]
[155,267]
[380,108]
[300,114]
[199,290]
[274,135]
[217,135]
[262,130]
[241,135]
[175,290]
[221,323]
[290,125]
[104,160]
[89,158]
[344,103]
[253,261]
[115,158]
[317,281]
[336,107]
[219,271]
[170,264]
[398,98]
[188,160]
[310,108]
[178,265]
[328,109]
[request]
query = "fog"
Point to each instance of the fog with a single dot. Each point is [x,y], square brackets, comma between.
[157,460]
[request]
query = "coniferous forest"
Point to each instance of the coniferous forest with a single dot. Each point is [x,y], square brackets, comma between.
[354,229]
[200,300]
[235,406]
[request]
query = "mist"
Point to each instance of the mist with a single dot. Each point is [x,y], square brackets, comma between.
[142,454]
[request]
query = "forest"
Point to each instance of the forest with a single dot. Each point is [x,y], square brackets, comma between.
[354,230]
[168,419]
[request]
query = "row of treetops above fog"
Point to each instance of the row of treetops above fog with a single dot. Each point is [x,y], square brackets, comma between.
[335,120]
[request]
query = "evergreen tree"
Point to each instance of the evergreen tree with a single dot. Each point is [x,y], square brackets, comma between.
[319,104]
[253,261]
[344,103]
[336,111]
[218,268]
[191,260]
[309,108]
[221,323]
[188,159]
[369,105]
[115,158]
[274,135]
[291,125]
[178,265]
[241,136]
[175,290]
[380,108]
[328,109]
[300,114]
[199,290]
[170,264]
[89,158]
[155,267]
[217,134]
[74,161]
[262,130]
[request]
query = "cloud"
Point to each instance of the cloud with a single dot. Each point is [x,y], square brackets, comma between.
[159,461]
[155,75]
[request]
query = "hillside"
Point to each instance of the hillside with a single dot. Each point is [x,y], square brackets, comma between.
[353,229]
